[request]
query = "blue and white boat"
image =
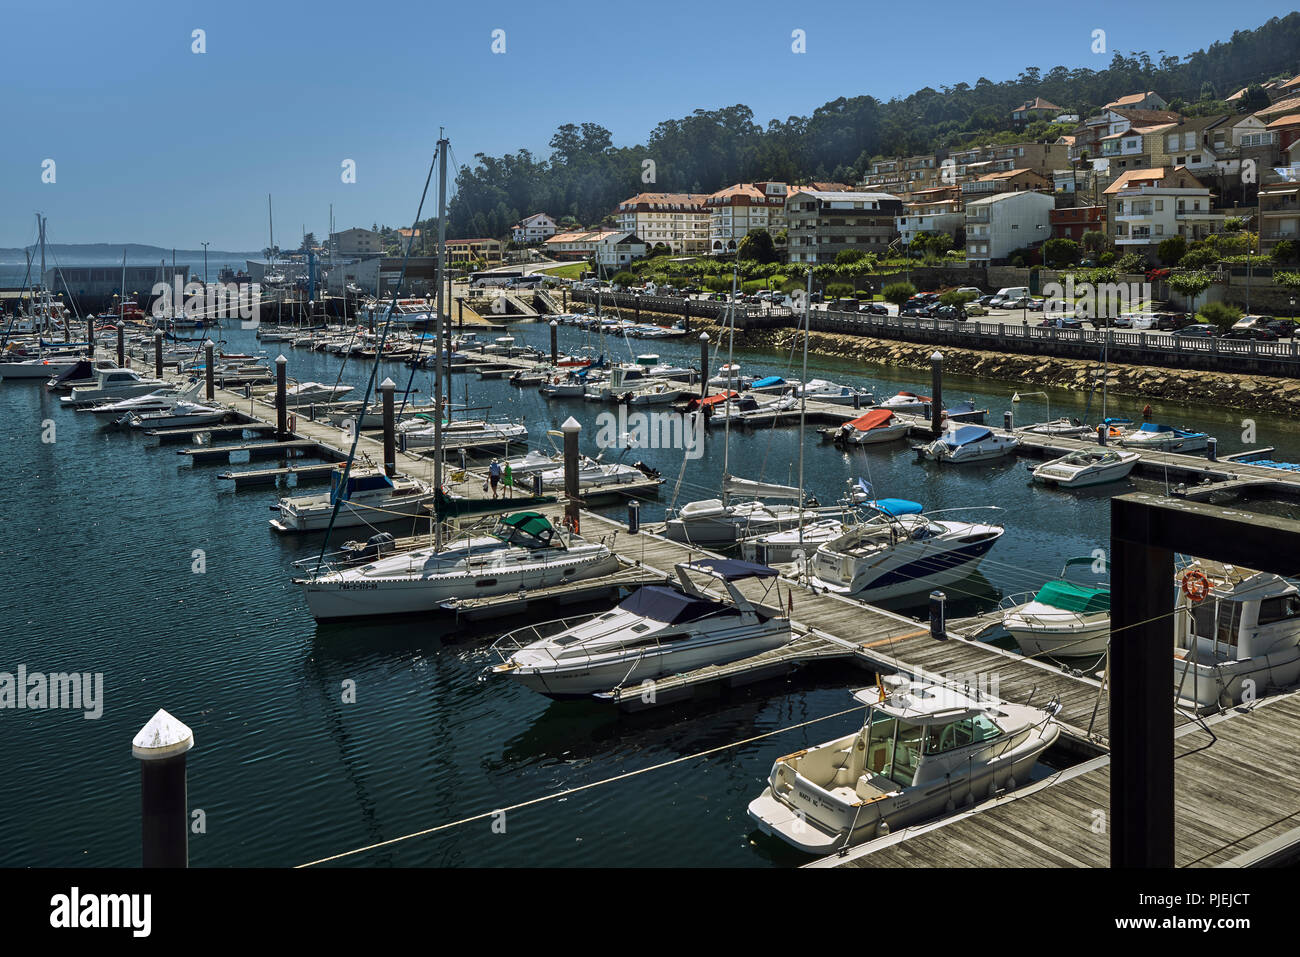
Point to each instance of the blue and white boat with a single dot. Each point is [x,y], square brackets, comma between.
[969,443]
[1165,438]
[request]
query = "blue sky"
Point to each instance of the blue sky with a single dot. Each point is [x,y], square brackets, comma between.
[156,144]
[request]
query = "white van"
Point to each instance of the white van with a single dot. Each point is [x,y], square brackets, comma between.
[1009,294]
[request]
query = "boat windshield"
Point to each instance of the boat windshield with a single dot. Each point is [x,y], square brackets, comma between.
[894,748]
[948,737]
[528,529]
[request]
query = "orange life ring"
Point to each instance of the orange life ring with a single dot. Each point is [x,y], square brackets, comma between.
[1196,586]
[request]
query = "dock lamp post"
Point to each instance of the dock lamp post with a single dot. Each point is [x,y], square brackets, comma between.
[1046,398]
[205,263]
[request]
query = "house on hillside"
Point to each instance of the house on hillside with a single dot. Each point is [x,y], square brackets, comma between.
[1144,207]
[1035,109]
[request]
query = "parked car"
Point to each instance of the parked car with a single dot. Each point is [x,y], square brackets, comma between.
[986,301]
[1173,321]
[1024,302]
[973,291]
[975,309]
[1062,322]
[1255,333]
[1285,328]
[951,312]
[874,308]
[1199,330]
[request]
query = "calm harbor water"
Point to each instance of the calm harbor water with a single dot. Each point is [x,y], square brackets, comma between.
[99,572]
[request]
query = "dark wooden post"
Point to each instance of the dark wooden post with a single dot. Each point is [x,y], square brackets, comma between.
[160,747]
[121,346]
[209,374]
[555,342]
[390,428]
[281,400]
[936,390]
[704,364]
[157,353]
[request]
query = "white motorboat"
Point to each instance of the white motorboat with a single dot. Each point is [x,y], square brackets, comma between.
[823,390]
[923,750]
[365,496]
[657,631]
[374,416]
[729,377]
[873,428]
[1085,467]
[720,521]
[1238,644]
[775,385]
[593,474]
[522,552]
[113,384]
[900,553]
[906,402]
[182,414]
[1063,426]
[1063,619]
[40,368]
[308,393]
[1164,438]
[969,443]
[454,436]
[792,544]
[533,461]
[159,400]
[653,392]
[571,385]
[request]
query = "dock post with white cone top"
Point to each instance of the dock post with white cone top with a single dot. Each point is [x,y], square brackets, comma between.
[121,346]
[704,364]
[571,429]
[936,390]
[555,344]
[281,400]
[209,374]
[390,441]
[160,747]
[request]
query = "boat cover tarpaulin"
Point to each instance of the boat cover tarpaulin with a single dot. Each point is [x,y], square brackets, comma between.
[533,523]
[660,603]
[872,420]
[82,370]
[1071,597]
[965,435]
[768,381]
[1154,427]
[733,569]
[897,506]
[711,400]
[731,485]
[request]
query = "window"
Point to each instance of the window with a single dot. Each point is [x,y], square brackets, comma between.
[1279,609]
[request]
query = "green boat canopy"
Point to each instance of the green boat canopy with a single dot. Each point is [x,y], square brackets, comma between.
[1071,597]
[531,523]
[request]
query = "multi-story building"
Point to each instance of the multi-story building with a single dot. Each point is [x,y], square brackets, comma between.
[1202,144]
[1042,158]
[536,228]
[1088,139]
[932,211]
[738,210]
[356,242]
[822,224]
[1279,209]
[998,224]
[1287,130]
[1150,100]
[466,250]
[1071,222]
[617,249]
[1009,181]
[678,220]
[1144,207]
[579,243]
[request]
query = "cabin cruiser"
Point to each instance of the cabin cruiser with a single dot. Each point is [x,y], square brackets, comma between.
[729,377]
[1073,428]
[892,555]
[366,496]
[1085,467]
[652,392]
[307,393]
[522,552]
[658,630]
[969,443]
[1063,619]
[40,367]
[571,385]
[1241,642]
[83,373]
[1164,438]
[112,384]
[158,401]
[721,521]
[182,414]
[457,435]
[824,391]
[924,749]
[873,428]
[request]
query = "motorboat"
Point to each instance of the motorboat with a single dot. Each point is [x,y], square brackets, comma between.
[1085,467]
[774,384]
[892,555]
[308,393]
[82,374]
[571,385]
[729,377]
[40,367]
[594,474]
[721,521]
[907,402]
[1165,438]
[521,552]
[364,496]
[1063,619]
[1241,642]
[533,461]
[1073,428]
[113,384]
[160,400]
[924,750]
[873,428]
[182,414]
[969,443]
[341,415]
[658,630]
[791,544]
[456,437]
[653,392]
[822,390]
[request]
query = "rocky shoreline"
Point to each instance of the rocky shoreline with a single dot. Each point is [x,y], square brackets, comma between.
[1255,393]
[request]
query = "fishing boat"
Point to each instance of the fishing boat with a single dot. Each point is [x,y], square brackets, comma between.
[1165,438]
[721,521]
[969,443]
[1063,619]
[365,496]
[822,390]
[522,552]
[658,630]
[873,428]
[899,553]
[924,749]
[1241,641]
[1085,467]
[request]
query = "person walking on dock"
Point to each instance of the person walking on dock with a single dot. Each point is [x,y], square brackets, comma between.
[509,481]
[494,476]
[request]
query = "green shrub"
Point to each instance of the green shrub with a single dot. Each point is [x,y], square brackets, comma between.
[1220,314]
[898,292]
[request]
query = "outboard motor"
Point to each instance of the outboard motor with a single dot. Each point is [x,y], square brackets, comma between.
[375,546]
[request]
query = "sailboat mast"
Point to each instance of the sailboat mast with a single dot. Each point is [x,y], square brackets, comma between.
[803,392]
[438,334]
[45,291]
[727,379]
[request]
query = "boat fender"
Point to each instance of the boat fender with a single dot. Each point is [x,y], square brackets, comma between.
[1195,585]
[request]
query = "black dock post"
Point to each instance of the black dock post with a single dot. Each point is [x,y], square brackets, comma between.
[571,429]
[209,374]
[938,615]
[555,343]
[390,442]
[1009,421]
[633,516]
[90,337]
[1141,699]
[121,346]
[936,388]
[1212,449]
[160,747]
[157,354]
[704,364]
[281,400]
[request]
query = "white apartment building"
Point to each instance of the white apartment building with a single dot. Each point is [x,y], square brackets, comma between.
[823,223]
[681,221]
[1147,206]
[536,228]
[738,210]
[617,249]
[932,216]
[998,224]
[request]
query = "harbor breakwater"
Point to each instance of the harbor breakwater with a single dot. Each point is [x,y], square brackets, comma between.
[1255,393]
